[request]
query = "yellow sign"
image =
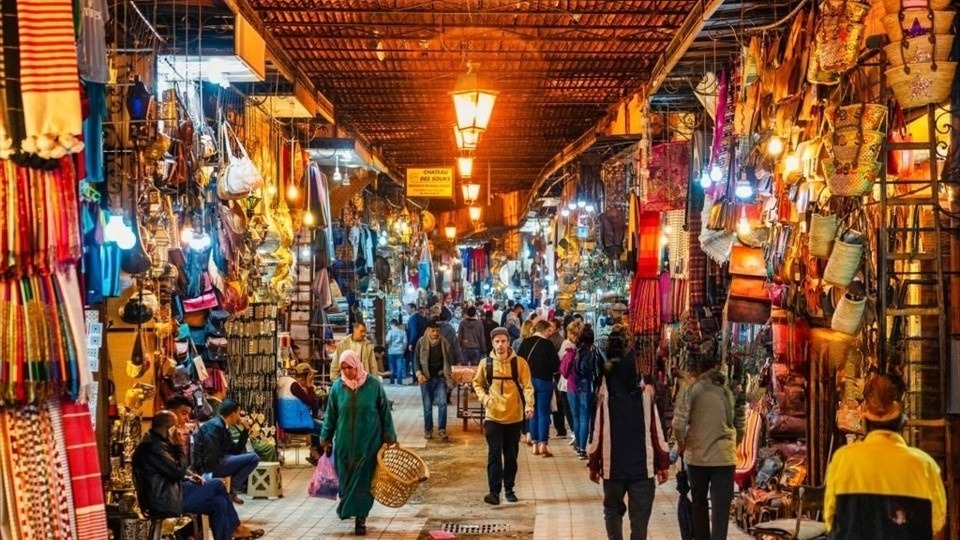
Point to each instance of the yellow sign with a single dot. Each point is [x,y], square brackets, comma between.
[435,183]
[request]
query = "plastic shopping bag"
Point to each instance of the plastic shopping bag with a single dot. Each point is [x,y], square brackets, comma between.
[324,484]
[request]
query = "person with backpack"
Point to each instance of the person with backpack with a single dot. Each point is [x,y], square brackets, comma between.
[584,369]
[502,384]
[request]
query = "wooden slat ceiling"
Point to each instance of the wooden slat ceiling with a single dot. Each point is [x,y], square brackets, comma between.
[559,65]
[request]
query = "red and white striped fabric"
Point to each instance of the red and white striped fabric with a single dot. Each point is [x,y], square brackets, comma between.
[84,470]
[49,77]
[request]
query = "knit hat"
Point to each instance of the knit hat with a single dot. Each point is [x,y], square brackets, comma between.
[499,331]
[881,400]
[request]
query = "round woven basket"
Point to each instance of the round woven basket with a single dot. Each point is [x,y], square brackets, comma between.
[823,230]
[852,115]
[848,316]
[916,21]
[894,6]
[399,473]
[843,263]
[855,182]
[918,50]
[916,85]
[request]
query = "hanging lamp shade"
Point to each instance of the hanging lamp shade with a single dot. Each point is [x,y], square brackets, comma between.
[467,139]
[474,213]
[473,99]
[471,192]
[465,166]
[450,231]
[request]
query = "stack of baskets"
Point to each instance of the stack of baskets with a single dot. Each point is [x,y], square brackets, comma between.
[920,43]
[836,40]
[852,167]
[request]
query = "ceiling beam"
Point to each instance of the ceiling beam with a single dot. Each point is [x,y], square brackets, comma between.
[432,8]
[501,37]
[438,26]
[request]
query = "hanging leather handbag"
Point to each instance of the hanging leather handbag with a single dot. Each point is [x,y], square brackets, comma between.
[241,175]
[748,261]
[749,288]
[747,311]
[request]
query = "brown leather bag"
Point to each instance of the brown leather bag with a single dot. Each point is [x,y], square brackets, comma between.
[748,261]
[749,288]
[740,310]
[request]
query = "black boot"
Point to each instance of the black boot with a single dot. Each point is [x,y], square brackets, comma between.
[361,527]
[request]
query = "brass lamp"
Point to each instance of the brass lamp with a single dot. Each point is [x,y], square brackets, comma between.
[471,192]
[450,231]
[473,100]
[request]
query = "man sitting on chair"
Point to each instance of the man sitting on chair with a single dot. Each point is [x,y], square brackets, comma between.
[216,453]
[166,489]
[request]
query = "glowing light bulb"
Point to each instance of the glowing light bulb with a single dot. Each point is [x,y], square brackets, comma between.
[774,146]
[743,190]
[743,226]
[271,190]
[565,213]
[186,235]
[791,164]
[200,241]
[664,239]
[667,229]
[590,208]
[382,240]
[114,228]
[127,239]
[581,204]
[308,219]
[572,205]
[705,180]
[716,173]
[293,192]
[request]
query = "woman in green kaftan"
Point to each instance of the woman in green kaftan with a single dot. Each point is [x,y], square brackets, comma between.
[359,422]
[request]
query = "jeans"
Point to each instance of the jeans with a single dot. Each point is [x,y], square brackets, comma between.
[562,413]
[434,392]
[471,357]
[238,468]
[503,446]
[540,423]
[640,493]
[580,405]
[719,482]
[397,368]
[211,498]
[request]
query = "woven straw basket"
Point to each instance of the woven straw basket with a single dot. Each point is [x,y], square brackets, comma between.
[918,50]
[843,263]
[916,85]
[399,473]
[850,116]
[848,316]
[823,230]
[849,180]
[894,6]
[941,24]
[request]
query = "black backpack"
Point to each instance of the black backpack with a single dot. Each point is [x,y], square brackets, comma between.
[514,376]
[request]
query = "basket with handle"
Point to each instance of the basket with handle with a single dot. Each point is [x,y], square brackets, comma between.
[399,472]
[823,230]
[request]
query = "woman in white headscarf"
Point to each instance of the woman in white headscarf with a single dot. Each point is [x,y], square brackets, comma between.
[358,422]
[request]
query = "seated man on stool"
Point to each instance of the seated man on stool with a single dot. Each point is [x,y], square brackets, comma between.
[216,453]
[165,488]
[302,389]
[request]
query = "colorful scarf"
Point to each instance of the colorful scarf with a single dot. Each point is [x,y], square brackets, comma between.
[81,451]
[350,358]
[49,80]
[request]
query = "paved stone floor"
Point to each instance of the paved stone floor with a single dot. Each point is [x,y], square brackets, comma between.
[566,504]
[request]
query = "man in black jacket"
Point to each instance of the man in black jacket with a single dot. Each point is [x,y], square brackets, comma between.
[217,454]
[166,489]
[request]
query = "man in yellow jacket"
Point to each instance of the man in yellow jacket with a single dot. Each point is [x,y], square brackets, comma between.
[881,487]
[503,385]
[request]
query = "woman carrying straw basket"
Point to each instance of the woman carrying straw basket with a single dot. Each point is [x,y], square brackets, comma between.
[358,419]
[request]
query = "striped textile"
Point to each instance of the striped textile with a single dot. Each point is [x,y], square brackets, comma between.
[747,449]
[85,470]
[49,79]
[10,98]
[52,427]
